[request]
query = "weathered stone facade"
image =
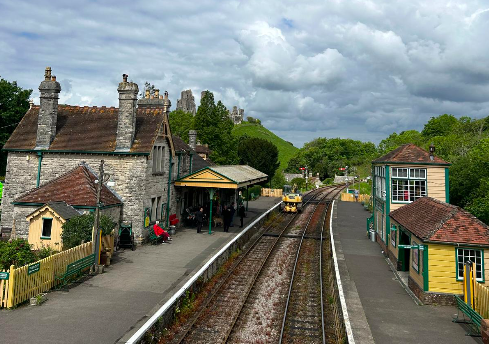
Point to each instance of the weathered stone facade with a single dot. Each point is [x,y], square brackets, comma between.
[143,172]
[46,126]
[187,102]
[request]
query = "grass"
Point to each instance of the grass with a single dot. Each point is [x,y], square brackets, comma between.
[365,188]
[285,149]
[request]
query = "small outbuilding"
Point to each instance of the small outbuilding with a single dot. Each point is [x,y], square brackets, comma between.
[432,240]
[45,224]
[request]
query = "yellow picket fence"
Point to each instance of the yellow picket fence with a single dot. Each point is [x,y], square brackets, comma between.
[271,192]
[21,285]
[481,300]
[348,197]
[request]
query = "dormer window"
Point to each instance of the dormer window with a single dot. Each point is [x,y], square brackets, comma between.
[158,159]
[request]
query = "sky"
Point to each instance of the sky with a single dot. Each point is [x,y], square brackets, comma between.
[350,69]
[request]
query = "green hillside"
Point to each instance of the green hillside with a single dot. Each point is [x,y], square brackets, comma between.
[285,149]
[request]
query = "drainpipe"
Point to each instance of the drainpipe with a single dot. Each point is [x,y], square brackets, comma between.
[39,154]
[191,159]
[169,194]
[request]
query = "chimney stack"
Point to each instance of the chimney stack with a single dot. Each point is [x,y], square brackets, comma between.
[167,103]
[48,112]
[192,138]
[432,152]
[126,124]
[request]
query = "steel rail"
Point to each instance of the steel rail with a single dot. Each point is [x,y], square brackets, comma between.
[294,270]
[338,190]
[181,337]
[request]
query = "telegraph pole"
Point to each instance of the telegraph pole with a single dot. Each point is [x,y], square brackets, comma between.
[96,230]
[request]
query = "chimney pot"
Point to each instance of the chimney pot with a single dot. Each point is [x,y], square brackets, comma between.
[146,94]
[157,93]
[161,97]
[53,78]
[124,77]
[166,94]
[47,74]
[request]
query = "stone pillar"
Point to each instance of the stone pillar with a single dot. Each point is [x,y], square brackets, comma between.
[48,112]
[192,138]
[126,124]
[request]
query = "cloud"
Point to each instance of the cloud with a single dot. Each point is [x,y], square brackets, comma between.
[360,69]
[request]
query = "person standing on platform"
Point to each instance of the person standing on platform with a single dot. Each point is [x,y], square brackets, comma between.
[241,213]
[199,217]
[356,195]
[232,210]
[226,214]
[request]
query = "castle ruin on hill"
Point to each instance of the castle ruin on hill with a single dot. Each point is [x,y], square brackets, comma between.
[187,104]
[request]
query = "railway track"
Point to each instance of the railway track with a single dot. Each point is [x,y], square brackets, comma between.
[219,316]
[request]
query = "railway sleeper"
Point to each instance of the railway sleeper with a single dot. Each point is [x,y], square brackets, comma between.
[293,236]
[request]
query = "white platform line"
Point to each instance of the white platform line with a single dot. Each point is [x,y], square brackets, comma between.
[150,322]
[346,319]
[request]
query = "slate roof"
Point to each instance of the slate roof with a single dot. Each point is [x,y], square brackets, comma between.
[76,188]
[180,145]
[64,210]
[239,173]
[199,163]
[88,129]
[202,149]
[435,221]
[410,153]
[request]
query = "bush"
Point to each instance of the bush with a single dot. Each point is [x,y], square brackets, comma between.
[79,229]
[255,190]
[16,252]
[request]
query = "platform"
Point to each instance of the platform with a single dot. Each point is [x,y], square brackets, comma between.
[106,308]
[379,308]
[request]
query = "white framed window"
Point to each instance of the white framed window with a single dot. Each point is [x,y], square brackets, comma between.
[475,256]
[408,184]
[47,225]
[379,177]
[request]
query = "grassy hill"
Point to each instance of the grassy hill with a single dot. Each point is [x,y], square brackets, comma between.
[285,149]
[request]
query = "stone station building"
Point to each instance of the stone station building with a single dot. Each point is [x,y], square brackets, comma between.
[134,140]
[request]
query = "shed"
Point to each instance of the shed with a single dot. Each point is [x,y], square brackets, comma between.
[45,224]
[432,240]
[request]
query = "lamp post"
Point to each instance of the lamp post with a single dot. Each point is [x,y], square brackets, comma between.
[346,173]
[102,179]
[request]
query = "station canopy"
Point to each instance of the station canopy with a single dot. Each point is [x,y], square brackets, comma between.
[223,177]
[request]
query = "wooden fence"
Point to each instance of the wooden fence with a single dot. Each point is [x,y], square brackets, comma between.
[481,297]
[29,280]
[271,192]
[348,197]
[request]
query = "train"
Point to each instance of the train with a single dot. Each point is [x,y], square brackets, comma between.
[292,200]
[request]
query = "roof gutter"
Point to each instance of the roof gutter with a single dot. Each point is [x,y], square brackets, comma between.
[73,151]
[411,163]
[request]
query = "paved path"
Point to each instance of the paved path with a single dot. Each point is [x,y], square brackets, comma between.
[105,308]
[379,307]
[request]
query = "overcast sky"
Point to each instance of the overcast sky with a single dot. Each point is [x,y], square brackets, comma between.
[350,69]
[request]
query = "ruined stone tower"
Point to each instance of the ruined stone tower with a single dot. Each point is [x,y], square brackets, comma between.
[187,102]
[48,112]
[126,124]
[236,115]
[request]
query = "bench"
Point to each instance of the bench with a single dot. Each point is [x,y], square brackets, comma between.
[77,267]
[152,237]
[474,318]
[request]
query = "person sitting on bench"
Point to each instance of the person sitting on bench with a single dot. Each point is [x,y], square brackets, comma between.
[160,232]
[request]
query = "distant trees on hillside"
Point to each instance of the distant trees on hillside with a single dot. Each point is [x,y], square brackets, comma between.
[260,154]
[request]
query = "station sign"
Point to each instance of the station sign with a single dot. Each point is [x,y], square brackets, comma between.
[4,275]
[33,268]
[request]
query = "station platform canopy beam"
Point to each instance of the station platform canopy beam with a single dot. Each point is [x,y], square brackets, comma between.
[223,177]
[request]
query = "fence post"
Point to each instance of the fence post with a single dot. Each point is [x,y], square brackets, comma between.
[10,296]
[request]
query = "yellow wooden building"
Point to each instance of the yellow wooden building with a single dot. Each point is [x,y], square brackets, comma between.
[432,240]
[45,225]
[402,176]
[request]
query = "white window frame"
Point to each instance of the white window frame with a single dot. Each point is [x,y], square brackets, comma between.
[158,158]
[379,179]
[408,182]
[463,254]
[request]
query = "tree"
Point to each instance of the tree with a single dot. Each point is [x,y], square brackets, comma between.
[14,103]
[180,123]
[16,252]
[79,228]
[439,126]
[260,154]
[395,140]
[214,127]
